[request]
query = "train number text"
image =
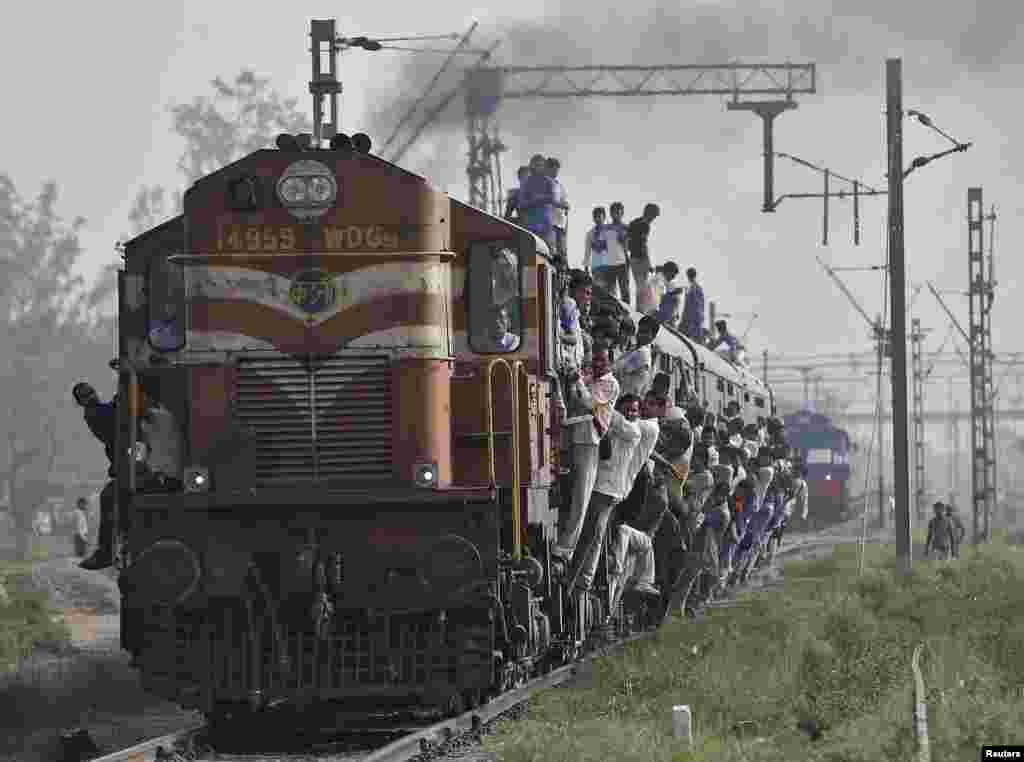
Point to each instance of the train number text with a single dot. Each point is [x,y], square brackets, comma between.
[256,238]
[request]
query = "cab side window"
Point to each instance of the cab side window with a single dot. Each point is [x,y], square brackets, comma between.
[166,286]
[494,298]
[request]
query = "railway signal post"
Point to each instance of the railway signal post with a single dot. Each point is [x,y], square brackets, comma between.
[898,285]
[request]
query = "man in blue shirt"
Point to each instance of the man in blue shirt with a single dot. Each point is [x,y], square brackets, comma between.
[537,199]
[693,308]
[101,418]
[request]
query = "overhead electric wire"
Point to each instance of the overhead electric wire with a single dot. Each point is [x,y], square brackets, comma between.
[430,86]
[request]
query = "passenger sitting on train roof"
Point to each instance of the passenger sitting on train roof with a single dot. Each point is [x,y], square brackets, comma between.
[500,338]
[725,342]
[635,369]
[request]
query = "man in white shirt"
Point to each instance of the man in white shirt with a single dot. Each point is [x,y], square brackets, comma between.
[610,487]
[598,395]
[617,272]
[635,369]
[632,556]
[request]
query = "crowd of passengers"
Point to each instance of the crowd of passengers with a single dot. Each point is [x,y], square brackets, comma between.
[616,253]
[707,495]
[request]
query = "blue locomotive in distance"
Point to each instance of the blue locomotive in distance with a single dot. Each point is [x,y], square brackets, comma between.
[825,451]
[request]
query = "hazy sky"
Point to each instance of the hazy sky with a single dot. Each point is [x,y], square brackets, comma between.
[88,86]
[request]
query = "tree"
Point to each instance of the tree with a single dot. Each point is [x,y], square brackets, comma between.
[49,323]
[237,119]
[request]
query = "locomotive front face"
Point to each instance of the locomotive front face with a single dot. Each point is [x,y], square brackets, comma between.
[310,305]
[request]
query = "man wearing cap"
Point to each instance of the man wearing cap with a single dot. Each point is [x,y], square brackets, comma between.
[941,535]
[634,369]
[693,308]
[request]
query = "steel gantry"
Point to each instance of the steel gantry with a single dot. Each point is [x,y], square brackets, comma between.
[980,293]
[486,87]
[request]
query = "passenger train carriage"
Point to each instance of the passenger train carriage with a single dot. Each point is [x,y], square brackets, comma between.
[351,490]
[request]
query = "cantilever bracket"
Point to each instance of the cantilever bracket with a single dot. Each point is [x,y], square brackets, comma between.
[767,110]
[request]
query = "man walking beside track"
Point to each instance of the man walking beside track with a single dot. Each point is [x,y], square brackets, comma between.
[941,535]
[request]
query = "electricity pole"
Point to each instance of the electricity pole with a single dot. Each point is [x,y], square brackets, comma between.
[898,283]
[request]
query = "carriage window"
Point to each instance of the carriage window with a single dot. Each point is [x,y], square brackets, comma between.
[493,297]
[759,401]
[166,304]
[746,397]
[732,391]
[720,385]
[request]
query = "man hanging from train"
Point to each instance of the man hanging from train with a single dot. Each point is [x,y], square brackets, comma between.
[599,393]
[635,369]
[101,418]
[611,486]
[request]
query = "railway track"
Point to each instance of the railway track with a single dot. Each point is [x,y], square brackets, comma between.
[454,737]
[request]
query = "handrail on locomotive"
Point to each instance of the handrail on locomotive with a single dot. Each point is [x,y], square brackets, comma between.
[513,376]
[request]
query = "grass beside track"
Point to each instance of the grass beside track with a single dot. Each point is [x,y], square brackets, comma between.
[831,650]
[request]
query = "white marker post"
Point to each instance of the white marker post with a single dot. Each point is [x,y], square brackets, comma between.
[682,726]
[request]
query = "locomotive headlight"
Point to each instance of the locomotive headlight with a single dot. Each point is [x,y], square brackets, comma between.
[140,452]
[197,479]
[293,190]
[307,188]
[425,474]
[320,189]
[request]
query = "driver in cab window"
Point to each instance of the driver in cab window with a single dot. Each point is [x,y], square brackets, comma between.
[500,338]
[504,283]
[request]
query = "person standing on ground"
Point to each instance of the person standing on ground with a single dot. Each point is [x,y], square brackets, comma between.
[941,537]
[959,530]
[81,533]
[638,234]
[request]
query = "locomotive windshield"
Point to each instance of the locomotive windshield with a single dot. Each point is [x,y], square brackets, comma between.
[493,299]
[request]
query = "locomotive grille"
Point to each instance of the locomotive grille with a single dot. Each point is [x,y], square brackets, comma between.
[329,419]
